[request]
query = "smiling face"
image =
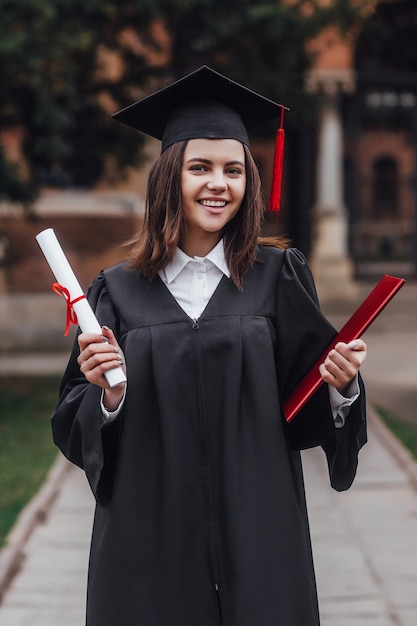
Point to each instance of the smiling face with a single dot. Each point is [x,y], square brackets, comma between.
[213,183]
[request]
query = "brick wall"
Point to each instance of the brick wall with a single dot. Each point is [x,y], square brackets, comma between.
[91,243]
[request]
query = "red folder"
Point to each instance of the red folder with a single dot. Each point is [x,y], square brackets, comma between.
[363,317]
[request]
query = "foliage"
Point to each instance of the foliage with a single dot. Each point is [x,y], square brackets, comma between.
[387,42]
[54,83]
[12,187]
[260,43]
[67,64]
[26,448]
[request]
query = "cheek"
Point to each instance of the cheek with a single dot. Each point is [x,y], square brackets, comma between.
[242,186]
[189,187]
[240,192]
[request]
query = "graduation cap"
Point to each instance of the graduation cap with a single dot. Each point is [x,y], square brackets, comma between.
[206,104]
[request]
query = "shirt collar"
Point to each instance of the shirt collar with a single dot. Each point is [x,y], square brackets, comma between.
[180,260]
[217,257]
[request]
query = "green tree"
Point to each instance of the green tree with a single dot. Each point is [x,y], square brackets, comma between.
[54,82]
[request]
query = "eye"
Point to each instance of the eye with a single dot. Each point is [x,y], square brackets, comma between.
[234,171]
[198,167]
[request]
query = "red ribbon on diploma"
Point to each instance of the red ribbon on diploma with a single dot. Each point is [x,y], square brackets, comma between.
[71,314]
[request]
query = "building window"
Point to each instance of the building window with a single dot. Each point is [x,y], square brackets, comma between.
[385,187]
[390,100]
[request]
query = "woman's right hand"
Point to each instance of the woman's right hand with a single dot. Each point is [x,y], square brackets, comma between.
[98,355]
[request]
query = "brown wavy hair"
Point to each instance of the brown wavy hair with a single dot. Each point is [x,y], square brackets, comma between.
[153,247]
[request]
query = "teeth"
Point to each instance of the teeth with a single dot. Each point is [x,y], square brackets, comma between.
[213,203]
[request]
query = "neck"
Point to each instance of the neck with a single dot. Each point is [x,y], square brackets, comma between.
[198,247]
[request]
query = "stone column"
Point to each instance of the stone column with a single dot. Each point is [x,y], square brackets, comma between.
[330,261]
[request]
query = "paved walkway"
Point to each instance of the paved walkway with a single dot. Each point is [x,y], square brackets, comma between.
[364,540]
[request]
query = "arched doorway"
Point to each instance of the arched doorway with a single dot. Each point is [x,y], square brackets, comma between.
[382,141]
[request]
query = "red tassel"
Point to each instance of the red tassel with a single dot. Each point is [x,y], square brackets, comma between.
[275,197]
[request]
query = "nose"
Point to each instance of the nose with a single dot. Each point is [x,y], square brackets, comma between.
[217,182]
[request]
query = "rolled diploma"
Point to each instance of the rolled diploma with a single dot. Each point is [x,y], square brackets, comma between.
[65,276]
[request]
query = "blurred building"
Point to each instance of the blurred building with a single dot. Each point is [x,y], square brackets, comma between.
[356,207]
[349,193]
[380,121]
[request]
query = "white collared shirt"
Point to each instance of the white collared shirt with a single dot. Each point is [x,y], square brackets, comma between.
[192,281]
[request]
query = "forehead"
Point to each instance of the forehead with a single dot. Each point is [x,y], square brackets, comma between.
[215,150]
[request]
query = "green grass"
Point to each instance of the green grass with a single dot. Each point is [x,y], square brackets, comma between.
[26,448]
[404,430]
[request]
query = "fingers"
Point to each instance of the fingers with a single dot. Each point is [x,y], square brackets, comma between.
[358,346]
[343,362]
[98,355]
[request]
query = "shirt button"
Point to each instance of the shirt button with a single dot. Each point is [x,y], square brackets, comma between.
[200,276]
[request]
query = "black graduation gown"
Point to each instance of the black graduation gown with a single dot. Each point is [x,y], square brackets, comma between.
[201,517]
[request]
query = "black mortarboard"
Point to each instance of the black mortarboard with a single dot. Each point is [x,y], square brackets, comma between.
[203,104]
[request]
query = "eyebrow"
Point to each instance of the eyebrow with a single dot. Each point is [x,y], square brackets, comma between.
[202,160]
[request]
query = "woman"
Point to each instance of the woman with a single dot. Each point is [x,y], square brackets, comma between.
[201,517]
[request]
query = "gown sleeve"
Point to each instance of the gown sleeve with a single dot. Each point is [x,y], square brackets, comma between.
[303,333]
[76,421]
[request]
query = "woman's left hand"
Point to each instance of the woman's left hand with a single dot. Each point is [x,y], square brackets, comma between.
[342,364]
